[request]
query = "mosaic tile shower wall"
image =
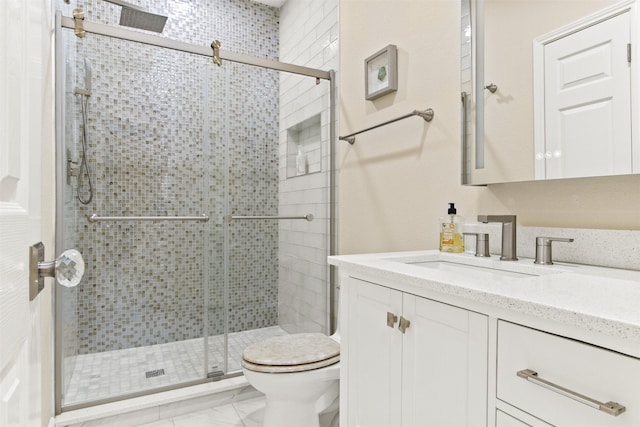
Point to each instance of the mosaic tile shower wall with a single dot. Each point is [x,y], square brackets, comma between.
[172,134]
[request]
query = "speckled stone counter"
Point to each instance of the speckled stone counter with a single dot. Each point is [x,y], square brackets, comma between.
[593,304]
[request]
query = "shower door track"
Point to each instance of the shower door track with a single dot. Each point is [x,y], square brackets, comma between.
[150,39]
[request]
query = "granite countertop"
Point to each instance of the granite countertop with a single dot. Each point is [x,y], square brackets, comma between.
[604,301]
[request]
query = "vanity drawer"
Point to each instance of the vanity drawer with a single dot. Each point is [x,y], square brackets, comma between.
[566,370]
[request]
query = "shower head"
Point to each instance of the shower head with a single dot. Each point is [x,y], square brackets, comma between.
[137,17]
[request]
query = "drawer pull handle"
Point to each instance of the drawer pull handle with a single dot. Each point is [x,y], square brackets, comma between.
[611,408]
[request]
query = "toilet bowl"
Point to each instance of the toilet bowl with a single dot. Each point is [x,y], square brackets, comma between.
[298,375]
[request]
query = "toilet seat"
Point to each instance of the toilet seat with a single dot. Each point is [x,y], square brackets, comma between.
[291,353]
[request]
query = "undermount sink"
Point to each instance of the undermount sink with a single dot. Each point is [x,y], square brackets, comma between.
[488,268]
[454,267]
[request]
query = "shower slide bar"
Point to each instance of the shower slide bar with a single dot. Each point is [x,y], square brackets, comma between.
[427,115]
[96,218]
[158,41]
[229,218]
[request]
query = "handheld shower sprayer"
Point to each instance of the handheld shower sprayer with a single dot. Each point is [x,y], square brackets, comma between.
[84,170]
[88,71]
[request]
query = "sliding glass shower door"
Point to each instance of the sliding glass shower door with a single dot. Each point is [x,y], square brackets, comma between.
[199,197]
[138,200]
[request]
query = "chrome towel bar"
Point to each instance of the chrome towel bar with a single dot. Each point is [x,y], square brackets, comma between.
[96,218]
[427,115]
[229,218]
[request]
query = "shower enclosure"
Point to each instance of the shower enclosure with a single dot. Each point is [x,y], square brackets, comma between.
[199,195]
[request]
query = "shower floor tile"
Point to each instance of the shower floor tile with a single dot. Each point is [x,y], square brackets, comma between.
[113,373]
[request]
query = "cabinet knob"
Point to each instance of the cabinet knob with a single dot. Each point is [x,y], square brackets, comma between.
[391,319]
[404,324]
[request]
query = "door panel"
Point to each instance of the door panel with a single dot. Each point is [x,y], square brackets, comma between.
[588,102]
[25,117]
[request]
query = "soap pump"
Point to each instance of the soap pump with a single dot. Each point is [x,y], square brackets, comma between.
[450,231]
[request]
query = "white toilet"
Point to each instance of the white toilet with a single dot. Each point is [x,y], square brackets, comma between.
[298,374]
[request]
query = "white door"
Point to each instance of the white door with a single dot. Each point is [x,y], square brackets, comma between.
[25,128]
[588,102]
[444,378]
[375,355]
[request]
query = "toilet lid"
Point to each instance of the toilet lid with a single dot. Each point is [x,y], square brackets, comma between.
[283,369]
[293,351]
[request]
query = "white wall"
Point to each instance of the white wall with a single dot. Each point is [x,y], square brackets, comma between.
[396,181]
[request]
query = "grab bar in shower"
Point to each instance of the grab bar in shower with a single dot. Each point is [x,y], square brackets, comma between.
[96,218]
[427,115]
[229,218]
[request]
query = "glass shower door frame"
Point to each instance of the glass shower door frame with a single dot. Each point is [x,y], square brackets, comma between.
[105,30]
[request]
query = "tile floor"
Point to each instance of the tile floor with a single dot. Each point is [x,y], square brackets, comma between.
[247,413]
[113,373]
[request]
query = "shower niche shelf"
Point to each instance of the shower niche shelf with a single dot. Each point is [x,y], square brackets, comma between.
[304,147]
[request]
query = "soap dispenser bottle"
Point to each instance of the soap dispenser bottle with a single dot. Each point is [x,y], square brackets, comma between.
[450,231]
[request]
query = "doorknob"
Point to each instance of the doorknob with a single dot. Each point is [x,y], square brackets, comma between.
[68,269]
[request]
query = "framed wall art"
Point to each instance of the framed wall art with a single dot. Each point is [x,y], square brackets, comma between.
[381,73]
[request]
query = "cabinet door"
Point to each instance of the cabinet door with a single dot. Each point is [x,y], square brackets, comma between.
[374,370]
[444,365]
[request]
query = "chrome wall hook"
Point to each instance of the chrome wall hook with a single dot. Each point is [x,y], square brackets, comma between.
[68,269]
[491,87]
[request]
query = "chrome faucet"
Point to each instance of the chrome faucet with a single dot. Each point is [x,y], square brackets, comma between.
[508,234]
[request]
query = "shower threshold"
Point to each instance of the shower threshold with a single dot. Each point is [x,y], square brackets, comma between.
[110,374]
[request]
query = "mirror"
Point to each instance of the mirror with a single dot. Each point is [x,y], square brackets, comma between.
[505,113]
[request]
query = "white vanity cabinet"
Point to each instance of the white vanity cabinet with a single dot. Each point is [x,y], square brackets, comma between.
[434,373]
[486,343]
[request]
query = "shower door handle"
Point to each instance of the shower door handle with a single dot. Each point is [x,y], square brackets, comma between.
[229,218]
